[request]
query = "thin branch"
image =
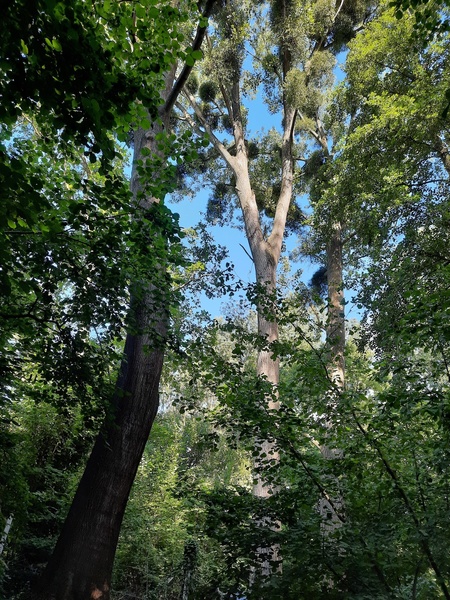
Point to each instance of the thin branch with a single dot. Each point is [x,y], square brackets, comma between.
[338,11]
[217,143]
[257,59]
[315,480]
[410,509]
[183,77]
[245,250]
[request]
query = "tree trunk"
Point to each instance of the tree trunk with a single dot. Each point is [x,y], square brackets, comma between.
[189,564]
[335,330]
[443,153]
[5,533]
[335,342]
[81,565]
[265,251]
[267,368]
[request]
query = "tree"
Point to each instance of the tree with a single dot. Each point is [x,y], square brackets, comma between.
[81,564]
[282,67]
[399,179]
[390,196]
[404,194]
[132,42]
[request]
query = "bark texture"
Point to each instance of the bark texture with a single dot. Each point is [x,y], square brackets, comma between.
[336,318]
[265,249]
[80,567]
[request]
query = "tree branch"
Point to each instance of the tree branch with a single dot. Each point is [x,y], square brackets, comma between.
[423,539]
[183,77]
[217,143]
[246,252]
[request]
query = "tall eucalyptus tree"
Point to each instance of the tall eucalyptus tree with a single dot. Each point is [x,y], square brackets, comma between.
[393,171]
[293,45]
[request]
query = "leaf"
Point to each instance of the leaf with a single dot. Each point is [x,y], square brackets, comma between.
[22,223]
[197,54]
[56,45]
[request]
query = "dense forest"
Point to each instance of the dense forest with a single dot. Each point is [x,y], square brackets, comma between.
[284,449]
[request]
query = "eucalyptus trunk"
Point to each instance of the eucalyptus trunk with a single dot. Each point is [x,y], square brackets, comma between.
[5,533]
[335,329]
[267,367]
[266,254]
[81,565]
[332,509]
[265,249]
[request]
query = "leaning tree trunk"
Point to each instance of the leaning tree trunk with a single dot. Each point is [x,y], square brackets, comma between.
[80,567]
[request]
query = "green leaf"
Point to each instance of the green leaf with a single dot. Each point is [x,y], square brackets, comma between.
[197,54]
[56,45]
[22,223]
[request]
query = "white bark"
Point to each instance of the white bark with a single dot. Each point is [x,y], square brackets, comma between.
[5,533]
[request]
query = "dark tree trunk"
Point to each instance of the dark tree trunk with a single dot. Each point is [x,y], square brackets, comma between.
[81,565]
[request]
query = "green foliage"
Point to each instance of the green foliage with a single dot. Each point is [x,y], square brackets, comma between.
[192,84]
[81,69]
[164,515]
[207,91]
[430,18]
[66,268]
[38,480]
[394,487]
